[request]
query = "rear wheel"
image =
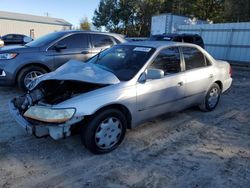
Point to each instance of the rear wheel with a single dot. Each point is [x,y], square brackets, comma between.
[105,131]
[27,75]
[212,98]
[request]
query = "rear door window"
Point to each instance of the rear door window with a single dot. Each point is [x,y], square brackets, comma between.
[100,41]
[193,58]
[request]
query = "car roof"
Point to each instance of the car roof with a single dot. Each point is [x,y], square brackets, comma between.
[159,44]
[14,34]
[94,32]
[151,44]
[176,34]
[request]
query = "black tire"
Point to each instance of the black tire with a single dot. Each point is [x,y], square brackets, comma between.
[24,72]
[208,106]
[88,134]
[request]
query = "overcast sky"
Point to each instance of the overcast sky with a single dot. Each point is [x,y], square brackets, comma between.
[70,10]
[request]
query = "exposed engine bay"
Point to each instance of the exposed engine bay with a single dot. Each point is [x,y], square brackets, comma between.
[52,92]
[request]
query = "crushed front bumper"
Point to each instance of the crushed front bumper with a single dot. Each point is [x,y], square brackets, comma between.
[56,131]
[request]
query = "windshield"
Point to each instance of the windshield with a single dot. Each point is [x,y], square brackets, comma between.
[46,39]
[123,61]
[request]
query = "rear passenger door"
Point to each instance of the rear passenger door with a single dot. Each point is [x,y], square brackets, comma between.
[100,42]
[198,72]
[77,47]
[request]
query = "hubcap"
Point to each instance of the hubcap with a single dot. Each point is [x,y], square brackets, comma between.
[108,133]
[30,77]
[213,97]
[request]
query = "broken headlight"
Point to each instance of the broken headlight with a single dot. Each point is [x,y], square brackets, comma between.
[49,115]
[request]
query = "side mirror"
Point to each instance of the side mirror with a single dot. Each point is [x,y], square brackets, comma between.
[154,74]
[27,40]
[151,74]
[59,47]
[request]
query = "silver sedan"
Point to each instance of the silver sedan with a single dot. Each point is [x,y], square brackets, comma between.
[119,89]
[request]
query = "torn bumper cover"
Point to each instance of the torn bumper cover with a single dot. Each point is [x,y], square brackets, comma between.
[56,131]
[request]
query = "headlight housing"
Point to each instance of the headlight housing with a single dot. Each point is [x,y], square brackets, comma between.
[49,115]
[8,55]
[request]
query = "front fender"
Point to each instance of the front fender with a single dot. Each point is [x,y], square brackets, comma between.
[89,103]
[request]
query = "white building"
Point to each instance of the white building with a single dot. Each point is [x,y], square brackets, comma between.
[30,25]
[227,41]
[168,23]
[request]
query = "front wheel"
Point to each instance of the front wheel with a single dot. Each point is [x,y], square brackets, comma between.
[105,131]
[27,75]
[212,98]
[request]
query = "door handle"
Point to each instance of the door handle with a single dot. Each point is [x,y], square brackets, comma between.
[180,83]
[211,76]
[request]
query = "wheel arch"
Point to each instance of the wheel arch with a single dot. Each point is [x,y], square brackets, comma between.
[220,84]
[119,107]
[30,65]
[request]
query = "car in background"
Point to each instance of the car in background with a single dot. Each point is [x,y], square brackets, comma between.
[119,89]
[22,64]
[15,39]
[189,38]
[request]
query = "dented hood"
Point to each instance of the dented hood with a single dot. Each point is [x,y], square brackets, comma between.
[79,71]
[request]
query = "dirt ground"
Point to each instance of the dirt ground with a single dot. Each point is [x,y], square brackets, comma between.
[186,149]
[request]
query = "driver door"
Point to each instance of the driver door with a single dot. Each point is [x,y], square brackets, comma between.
[158,96]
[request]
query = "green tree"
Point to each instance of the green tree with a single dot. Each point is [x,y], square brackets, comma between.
[237,12]
[107,14]
[84,24]
[133,17]
[209,10]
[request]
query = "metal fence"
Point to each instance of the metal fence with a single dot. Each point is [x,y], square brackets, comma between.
[229,41]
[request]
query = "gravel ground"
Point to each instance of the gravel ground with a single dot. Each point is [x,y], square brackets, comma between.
[186,149]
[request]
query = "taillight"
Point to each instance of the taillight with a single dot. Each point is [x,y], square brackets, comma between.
[230,71]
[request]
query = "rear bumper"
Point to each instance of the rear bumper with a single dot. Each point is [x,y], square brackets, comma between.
[227,84]
[56,131]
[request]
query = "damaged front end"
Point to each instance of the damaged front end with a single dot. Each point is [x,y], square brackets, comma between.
[36,110]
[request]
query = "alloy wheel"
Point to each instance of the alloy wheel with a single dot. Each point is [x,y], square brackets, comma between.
[30,77]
